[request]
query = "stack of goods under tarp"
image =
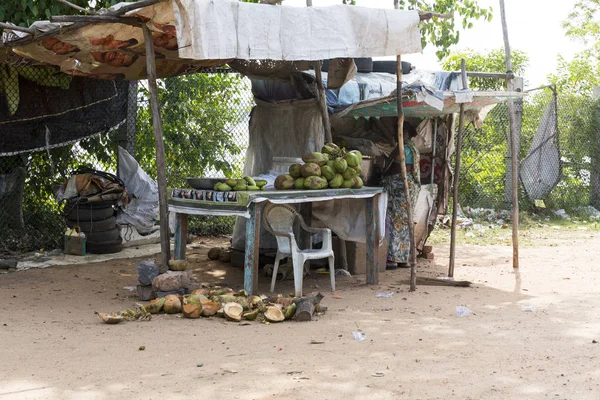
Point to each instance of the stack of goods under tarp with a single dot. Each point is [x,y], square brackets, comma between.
[91,197]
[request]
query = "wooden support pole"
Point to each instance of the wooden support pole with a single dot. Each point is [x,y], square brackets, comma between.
[160,150]
[412,258]
[17,28]
[323,103]
[514,147]
[461,122]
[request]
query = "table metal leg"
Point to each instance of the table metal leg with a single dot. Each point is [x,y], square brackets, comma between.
[372,219]
[252,248]
[181,233]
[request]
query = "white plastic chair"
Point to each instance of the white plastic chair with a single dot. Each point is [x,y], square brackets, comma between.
[279,220]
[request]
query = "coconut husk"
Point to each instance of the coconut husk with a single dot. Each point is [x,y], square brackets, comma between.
[155,305]
[289,311]
[137,313]
[210,308]
[178,265]
[172,304]
[214,253]
[221,292]
[274,314]
[202,292]
[225,255]
[228,298]
[233,311]
[251,316]
[192,310]
[111,318]
[283,301]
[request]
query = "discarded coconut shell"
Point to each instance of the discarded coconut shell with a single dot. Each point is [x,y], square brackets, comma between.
[210,308]
[221,291]
[214,253]
[274,314]
[233,311]
[111,318]
[251,316]
[172,304]
[178,265]
[155,305]
[201,292]
[192,310]
[225,255]
[289,311]
[228,298]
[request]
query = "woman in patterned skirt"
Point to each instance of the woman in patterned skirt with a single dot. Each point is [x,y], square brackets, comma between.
[397,230]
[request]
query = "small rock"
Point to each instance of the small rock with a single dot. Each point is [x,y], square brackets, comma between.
[142,348]
[145,292]
[147,270]
[171,280]
[594,341]
[200,365]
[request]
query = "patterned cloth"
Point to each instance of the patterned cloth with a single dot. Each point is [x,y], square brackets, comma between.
[396,228]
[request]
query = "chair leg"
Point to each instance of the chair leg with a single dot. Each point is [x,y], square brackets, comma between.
[332,272]
[298,262]
[278,258]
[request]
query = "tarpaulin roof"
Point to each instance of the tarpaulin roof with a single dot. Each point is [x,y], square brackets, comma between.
[417,106]
[189,35]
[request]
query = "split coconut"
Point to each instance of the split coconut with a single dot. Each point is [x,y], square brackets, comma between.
[233,311]
[172,304]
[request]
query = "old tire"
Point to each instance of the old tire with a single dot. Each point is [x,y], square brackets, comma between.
[86,213]
[364,64]
[94,226]
[103,236]
[389,66]
[104,247]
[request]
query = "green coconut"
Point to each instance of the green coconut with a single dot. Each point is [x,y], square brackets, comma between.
[172,304]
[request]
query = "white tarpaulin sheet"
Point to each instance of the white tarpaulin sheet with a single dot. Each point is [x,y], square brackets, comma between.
[223,29]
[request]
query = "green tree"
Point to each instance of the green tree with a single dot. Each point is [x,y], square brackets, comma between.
[26,12]
[493,61]
[199,114]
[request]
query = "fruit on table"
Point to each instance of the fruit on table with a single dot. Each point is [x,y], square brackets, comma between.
[311,169]
[332,168]
[246,183]
[284,182]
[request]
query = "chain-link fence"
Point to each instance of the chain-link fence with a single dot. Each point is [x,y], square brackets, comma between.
[205,123]
[558,155]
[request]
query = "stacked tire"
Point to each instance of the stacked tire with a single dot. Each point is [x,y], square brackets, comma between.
[99,224]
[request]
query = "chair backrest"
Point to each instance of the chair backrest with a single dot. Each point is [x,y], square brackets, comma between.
[279,218]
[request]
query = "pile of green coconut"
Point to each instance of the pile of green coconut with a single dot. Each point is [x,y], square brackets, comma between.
[224,302]
[333,167]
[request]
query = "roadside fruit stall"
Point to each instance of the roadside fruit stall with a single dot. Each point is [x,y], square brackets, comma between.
[303,184]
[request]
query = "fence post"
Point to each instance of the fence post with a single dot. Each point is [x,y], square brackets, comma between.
[515,85]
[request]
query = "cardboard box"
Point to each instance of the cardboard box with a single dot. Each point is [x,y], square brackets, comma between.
[356,254]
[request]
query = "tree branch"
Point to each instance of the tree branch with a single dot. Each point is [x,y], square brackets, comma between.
[96,19]
[423,16]
[75,6]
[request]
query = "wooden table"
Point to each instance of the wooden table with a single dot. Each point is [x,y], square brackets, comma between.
[253,214]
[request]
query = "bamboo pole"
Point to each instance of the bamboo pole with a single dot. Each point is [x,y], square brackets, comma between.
[160,150]
[412,258]
[461,122]
[514,148]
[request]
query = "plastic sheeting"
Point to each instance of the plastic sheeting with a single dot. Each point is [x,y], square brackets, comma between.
[541,169]
[142,210]
[223,29]
[283,129]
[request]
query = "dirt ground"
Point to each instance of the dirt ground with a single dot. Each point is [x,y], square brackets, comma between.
[416,347]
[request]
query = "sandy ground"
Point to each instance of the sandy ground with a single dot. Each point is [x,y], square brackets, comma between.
[416,347]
